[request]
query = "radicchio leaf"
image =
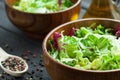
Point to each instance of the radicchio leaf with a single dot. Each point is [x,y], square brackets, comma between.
[72,32]
[59,3]
[117,31]
[56,36]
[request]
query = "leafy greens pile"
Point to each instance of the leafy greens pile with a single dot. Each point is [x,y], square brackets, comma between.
[87,48]
[42,6]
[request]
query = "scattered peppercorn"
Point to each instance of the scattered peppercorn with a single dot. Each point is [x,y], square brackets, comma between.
[33,72]
[40,78]
[34,55]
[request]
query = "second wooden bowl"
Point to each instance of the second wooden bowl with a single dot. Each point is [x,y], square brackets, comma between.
[37,25]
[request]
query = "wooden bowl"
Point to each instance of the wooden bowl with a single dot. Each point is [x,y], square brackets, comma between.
[37,25]
[59,71]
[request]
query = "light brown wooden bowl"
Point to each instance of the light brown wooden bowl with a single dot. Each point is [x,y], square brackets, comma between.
[37,25]
[59,71]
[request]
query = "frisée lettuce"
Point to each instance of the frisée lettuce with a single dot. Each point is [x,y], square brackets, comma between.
[87,48]
[42,6]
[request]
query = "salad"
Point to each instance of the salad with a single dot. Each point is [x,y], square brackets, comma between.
[42,6]
[87,48]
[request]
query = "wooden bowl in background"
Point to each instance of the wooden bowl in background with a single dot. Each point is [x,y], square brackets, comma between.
[37,25]
[59,71]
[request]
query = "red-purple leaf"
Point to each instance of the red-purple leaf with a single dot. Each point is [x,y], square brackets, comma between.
[59,3]
[56,36]
[117,31]
[72,32]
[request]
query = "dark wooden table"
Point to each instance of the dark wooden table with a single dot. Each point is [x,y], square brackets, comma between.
[15,42]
